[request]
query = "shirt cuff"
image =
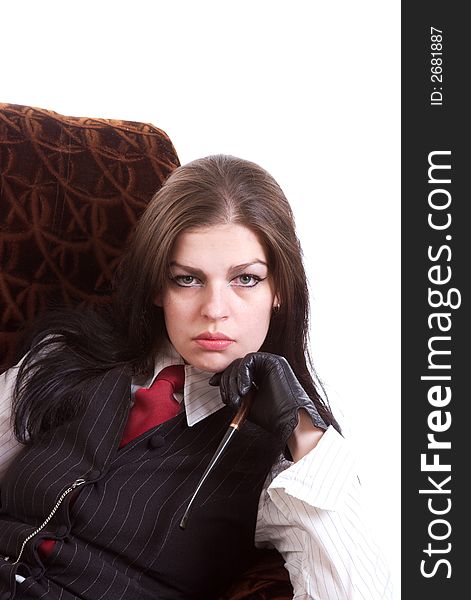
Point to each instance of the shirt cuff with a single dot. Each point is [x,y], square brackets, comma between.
[323,477]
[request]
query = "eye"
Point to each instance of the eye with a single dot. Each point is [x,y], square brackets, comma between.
[185,280]
[247,280]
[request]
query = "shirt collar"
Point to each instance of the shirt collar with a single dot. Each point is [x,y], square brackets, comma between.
[200,398]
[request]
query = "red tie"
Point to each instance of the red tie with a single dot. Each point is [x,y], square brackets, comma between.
[156,404]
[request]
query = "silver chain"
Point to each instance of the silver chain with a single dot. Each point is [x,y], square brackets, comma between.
[76,484]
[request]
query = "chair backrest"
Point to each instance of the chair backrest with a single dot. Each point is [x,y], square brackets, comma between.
[71,190]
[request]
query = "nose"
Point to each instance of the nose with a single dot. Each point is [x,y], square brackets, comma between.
[215,301]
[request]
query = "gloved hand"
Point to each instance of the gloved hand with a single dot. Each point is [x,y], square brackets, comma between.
[278,394]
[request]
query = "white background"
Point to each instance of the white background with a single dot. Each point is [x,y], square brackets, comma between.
[308,89]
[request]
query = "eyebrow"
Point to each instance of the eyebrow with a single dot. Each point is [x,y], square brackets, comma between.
[232,269]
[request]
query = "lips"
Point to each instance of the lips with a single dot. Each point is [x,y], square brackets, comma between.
[206,335]
[213,341]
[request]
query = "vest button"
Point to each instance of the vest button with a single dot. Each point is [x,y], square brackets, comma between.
[156,441]
[62,531]
[94,474]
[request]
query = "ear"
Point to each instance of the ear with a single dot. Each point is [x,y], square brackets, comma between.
[276,303]
[158,300]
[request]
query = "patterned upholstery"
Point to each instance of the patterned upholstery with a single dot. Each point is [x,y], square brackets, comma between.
[71,190]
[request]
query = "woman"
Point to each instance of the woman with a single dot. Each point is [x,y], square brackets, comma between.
[92,502]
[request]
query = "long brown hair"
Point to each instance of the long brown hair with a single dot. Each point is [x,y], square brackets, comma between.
[214,190]
[217,190]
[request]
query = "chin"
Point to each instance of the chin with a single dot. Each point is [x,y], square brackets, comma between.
[212,362]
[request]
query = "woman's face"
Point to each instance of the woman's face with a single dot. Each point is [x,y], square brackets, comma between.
[220,295]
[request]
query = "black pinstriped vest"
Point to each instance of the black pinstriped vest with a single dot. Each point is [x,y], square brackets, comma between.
[120,538]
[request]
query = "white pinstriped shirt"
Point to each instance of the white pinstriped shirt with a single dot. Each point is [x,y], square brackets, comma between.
[310,511]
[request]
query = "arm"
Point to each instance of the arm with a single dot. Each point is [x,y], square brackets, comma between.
[311,513]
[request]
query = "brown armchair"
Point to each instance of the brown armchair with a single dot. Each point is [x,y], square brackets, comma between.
[71,189]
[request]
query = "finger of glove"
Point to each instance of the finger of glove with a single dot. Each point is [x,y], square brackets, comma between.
[228,385]
[215,379]
[246,372]
[256,370]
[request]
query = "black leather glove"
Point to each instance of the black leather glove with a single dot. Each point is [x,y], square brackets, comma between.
[278,394]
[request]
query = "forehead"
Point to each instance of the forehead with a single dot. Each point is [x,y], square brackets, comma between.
[229,242]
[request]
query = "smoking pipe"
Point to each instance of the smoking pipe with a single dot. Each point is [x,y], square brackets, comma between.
[234,425]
